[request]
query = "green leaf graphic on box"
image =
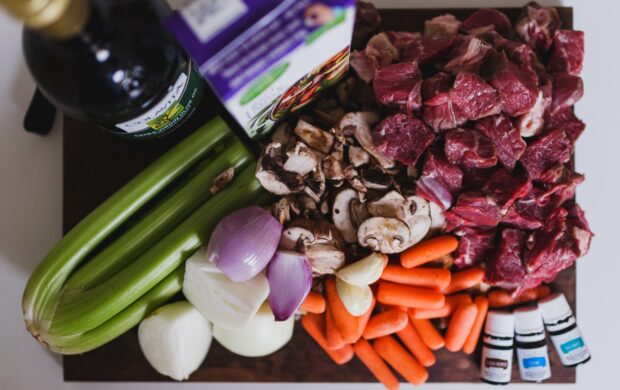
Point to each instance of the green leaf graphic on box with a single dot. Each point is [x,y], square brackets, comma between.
[263,83]
[341,17]
[166,117]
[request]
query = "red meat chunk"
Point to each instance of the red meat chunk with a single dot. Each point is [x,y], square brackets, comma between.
[402,39]
[567,91]
[399,85]
[439,83]
[381,49]
[367,21]
[475,244]
[363,65]
[505,188]
[468,54]
[566,120]
[536,26]
[505,269]
[426,50]
[442,26]
[532,122]
[545,152]
[487,17]
[518,88]
[508,142]
[473,209]
[474,97]
[403,138]
[469,148]
[580,229]
[528,212]
[559,184]
[440,181]
[567,52]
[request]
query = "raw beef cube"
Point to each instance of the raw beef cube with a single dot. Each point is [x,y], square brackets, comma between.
[402,39]
[381,49]
[559,184]
[506,187]
[527,213]
[403,138]
[469,148]
[567,53]
[440,181]
[439,83]
[486,17]
[364,65]
[518,88]
[580,229]
[545,152]
[532,122]
[505,269]
[442,26]
[468,54]
[473,209]
[474,178]
[566,120]
[474,245]
[399,85]
[536,26]
[426,50]
[367,21]
[441,114]
[508,142]
[474,97]
[567,90]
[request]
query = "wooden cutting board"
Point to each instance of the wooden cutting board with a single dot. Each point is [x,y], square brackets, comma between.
[97,163]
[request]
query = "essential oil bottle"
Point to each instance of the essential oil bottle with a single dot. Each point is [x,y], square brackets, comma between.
[498,343]
[531,345]
[562,328]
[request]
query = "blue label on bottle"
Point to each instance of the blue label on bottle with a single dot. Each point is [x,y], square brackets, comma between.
[534,362]
[572,345]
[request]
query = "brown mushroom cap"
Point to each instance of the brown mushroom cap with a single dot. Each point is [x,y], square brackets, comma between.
[341,214]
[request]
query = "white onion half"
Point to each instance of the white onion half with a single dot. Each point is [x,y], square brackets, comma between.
[262,336]
[175,339]
[224,302]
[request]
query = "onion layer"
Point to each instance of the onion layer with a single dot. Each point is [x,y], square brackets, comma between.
[290,277]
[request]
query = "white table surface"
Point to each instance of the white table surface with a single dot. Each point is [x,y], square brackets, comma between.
[31,195]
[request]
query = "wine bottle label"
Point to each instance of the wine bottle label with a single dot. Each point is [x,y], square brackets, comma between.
[171,111]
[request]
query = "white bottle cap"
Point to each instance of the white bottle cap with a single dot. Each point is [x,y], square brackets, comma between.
[528,320]
[500,323]
[554,308]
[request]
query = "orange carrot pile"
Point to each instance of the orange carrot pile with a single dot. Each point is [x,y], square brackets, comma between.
[397,331]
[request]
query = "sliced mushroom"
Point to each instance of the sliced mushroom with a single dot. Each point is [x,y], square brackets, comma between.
[391,205]
[296,238]
[283,134]
[341,214]
[419,227]
[361,122]
[352,176]
[324,207]
[332,168]
[301,159]
[314,137]
[275,179]
[282,210]
[412,171]
[358,156]
[374,177]
[438,221]
[359,212]
[418,206]
[324,258]
[385,235]
[315,184]
[343,90]
[328,117]
[338,148]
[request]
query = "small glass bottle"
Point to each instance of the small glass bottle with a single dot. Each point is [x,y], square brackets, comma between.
[531,343]
[498,340]
[562,328]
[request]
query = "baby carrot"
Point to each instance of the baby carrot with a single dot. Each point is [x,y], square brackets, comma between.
[450,305]
[332,334]
[460,326]
[400,360]
[348,325]
[472,338]
[438,278]
[465,279]
[409,296]
[314,303]
[428,250]
[388,322]
[314,324]
[412,340]
[364,352]
[503,298]
[429,334]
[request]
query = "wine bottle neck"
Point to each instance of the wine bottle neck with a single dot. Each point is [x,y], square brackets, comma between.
[58,19]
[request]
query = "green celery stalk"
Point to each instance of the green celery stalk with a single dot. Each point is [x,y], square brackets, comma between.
[81,312]
[159,221]
[44,285]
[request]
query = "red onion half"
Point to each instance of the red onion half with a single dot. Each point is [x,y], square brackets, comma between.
[290,277]
[243,243]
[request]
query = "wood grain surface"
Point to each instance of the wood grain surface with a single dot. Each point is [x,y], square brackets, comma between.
[97,163]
